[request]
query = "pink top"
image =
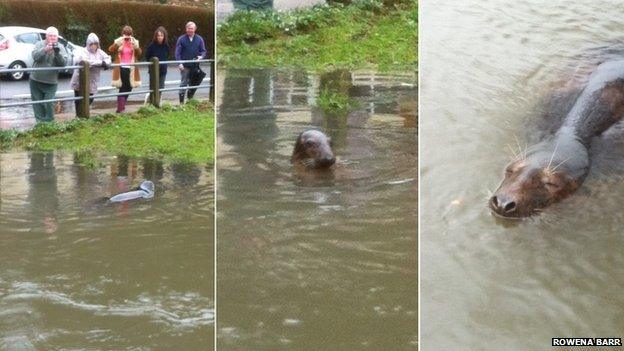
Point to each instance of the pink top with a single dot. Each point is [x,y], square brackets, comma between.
[126,52]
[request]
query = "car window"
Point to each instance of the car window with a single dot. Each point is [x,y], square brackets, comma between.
[1,37]
[28,38]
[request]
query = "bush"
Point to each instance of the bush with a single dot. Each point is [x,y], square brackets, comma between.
[375,6]
[3,12]
[76,31]
[253,26]
[343,2]
[7,137]
[87,158]
[249,27]
[76,18]
[335,103]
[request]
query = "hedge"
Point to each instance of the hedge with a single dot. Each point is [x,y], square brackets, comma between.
[75,19]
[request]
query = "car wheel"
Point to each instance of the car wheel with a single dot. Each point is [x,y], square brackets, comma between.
[17,75]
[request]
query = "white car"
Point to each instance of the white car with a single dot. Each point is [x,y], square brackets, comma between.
[17,44]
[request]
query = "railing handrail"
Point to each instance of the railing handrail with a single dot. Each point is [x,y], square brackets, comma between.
[184,61]
[34,69]
[41,101]
[139,63]
[26,103]
[101,89]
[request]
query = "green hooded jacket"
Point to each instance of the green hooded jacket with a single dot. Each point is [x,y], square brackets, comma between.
[44,59]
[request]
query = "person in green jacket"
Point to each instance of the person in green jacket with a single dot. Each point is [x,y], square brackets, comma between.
[47,53]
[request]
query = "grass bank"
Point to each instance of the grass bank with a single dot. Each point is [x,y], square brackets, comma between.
[364,34]
[180,134]
[75,19]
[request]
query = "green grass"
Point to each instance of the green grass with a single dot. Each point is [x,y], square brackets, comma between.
[181,134]
[366,34]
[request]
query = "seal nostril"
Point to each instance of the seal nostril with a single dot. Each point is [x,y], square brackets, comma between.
[510,206]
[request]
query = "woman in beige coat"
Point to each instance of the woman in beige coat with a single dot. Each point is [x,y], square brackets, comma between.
[125,50]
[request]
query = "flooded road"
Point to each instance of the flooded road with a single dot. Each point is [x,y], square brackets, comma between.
[323,261]
[78,273]
[489,70]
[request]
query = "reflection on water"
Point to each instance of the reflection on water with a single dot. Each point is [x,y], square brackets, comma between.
[77,272]
[316,261]
[490,77]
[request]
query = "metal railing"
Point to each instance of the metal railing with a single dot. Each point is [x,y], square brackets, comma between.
[154,84]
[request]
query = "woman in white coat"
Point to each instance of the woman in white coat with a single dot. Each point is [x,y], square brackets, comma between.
[98,60]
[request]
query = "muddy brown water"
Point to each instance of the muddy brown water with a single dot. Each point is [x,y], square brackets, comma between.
[77,273]
[316,262]
[488,68]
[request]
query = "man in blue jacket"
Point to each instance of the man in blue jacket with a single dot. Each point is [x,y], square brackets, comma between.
[189,47]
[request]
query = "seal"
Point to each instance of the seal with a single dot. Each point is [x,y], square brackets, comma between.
[556,167]
[144,191]
[313,150]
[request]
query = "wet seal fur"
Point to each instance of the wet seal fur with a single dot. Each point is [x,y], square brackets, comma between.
[556,167]
[313,150]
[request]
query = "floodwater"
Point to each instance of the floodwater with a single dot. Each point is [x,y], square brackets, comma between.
[487,284]
[78,273]
[324,261]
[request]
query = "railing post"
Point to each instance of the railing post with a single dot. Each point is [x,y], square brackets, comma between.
[212,82]
[84,91]
[155,82]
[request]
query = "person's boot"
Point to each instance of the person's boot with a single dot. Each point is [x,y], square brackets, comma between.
[181,98]
[121,104]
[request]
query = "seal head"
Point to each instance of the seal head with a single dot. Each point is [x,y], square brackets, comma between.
[548,173]
[313,150]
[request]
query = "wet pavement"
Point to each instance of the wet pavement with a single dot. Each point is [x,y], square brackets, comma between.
[22,117]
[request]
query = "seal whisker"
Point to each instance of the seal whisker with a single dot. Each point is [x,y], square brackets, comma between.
[488,192]
[513,154]
[553,155]
[308,162]
[520,153]
[560,163]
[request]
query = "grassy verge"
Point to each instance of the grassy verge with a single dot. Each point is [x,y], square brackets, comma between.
[181,134]
[366,33]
